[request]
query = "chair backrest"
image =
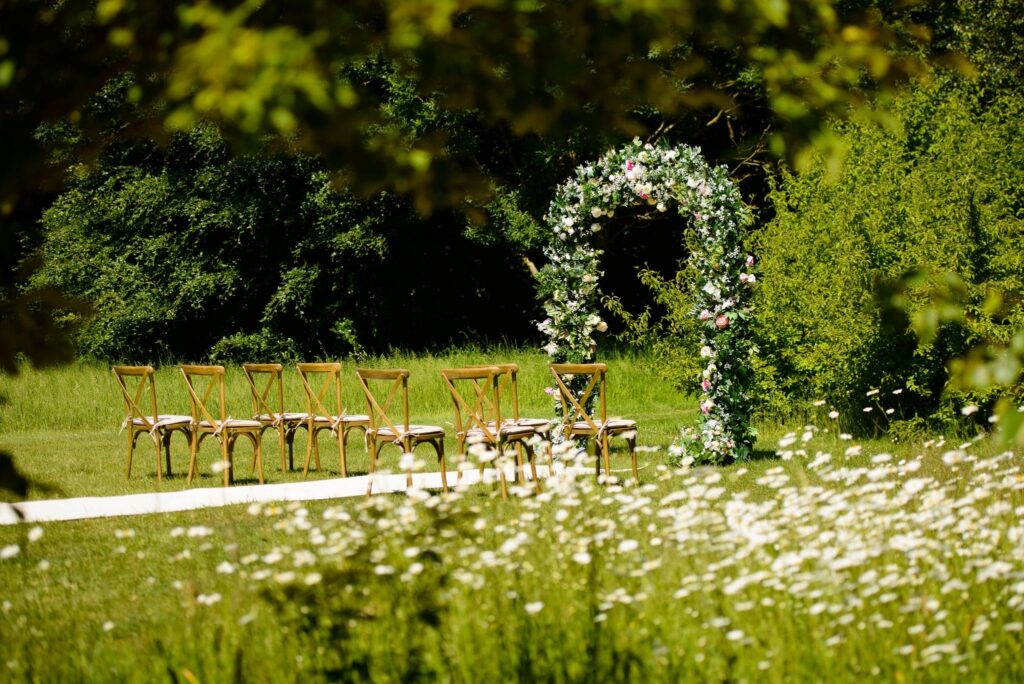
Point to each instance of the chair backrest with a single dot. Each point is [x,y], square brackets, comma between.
[507,382]
[272,389]
[481,385]
[584,378]
[378,412]
[201,382]
[143,379]
[321,382]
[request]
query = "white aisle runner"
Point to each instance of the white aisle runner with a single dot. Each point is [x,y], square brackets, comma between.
[50,510]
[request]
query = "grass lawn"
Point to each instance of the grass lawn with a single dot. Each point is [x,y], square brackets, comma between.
[828,563]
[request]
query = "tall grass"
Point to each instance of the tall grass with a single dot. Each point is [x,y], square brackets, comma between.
[825,561]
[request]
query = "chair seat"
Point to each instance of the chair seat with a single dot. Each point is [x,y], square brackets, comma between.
[420,431]
[331,420]
[538,425]
[284,417]
[232,424]
[508,431]
[612,426]
[163,420]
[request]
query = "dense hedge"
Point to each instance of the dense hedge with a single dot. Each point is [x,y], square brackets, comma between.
[941,188]
[192,252]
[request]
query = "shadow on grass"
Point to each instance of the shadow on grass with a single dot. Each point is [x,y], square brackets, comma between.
[763,455]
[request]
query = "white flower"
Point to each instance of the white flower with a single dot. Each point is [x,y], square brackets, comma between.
[35,534]
[534,608]
[225,568]
[627,545]
[706,352]
[596,212]
[969,409]
[833,414]
[9,551]
[581,557]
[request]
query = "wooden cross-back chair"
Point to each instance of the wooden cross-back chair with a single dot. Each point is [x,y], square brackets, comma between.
[140,418]
[508,383]
[383,430]
[322,382]
[266,386]
[578,421]
[481,419]
[224,428]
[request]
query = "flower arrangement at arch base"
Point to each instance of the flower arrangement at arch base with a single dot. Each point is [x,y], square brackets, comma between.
[662,176]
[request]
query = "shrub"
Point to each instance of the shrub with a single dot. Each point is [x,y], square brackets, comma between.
[940,188]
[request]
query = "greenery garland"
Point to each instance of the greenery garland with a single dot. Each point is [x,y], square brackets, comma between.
[662,176]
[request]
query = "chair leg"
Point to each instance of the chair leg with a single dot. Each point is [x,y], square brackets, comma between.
[533,466]
[632,453]
[131,448]
[316,450]
[604,452]
[519,462]
[193,451]
[439,445]
[159,455]
[290,440]
[258,448]
[167,449]
[225,454]
[309,450]
[520,474]
[281,430]
[342,438]
[373,466]
[408,447]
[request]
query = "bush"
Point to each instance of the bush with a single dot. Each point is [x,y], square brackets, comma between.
[191,252]
[939,189]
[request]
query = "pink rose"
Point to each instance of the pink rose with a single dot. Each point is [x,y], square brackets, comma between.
[750,260]
[706,385]
[721,321]
[705,315]
[629,164]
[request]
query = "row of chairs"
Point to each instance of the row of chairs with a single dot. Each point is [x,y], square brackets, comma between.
[476,393]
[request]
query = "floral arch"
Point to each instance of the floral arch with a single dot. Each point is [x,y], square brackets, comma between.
[665,177]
